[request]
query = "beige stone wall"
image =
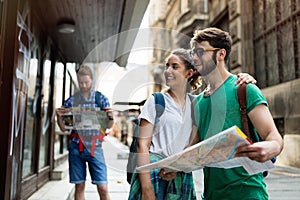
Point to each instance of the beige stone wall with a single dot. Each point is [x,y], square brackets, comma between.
[284,104]
[290,156]
[284,101]
[172,15]
[216,7]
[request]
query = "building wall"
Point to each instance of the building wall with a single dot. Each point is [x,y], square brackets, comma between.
[284,105]
[267,41]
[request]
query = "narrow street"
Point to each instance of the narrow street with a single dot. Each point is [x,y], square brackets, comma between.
[282,183]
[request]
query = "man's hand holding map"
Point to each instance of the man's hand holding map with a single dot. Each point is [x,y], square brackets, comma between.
[217,151]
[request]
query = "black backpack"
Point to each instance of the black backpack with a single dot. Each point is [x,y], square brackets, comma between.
[159,108]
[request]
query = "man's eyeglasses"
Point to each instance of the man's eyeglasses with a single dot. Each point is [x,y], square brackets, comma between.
[200,51]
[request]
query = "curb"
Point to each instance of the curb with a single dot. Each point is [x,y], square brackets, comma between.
[286,170]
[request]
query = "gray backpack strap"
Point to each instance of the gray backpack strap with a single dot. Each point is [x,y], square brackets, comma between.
[192,97]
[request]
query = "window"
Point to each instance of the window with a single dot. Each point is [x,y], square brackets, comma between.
[28,164]
[276,41]
[46,91]
[59,147]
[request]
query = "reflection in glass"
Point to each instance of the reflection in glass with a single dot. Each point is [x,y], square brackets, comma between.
[59,146]
[30,120]
[44,143]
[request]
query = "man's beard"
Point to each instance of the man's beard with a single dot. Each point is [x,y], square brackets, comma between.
[208,67]
[86,89]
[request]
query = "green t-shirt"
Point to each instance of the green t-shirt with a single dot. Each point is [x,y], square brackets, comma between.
[214,114]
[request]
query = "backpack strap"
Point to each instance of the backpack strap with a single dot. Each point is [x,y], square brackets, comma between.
[97,98]
[159,105]
[192,97]
[247,125]
[76,99]
[241,93]
[242,99]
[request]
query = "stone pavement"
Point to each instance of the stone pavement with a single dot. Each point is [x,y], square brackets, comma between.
[116,159]
[283,183]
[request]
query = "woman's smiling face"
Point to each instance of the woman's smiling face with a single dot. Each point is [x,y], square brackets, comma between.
[175,71]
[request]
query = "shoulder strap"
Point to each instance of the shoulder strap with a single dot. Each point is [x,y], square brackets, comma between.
[159,105]
[192,97]
[97,99]
[241,93]
[76,99]
[159,101]
[247,125]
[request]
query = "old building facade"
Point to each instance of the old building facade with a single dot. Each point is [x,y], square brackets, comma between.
[266,44]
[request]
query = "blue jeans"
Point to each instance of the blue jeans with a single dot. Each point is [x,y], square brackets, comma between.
[77,164]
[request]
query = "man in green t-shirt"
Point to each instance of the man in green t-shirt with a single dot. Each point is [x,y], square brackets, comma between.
[217,109]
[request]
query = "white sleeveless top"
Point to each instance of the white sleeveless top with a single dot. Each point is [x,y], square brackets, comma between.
[172,133]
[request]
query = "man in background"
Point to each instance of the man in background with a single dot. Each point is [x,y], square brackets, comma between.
[85,146]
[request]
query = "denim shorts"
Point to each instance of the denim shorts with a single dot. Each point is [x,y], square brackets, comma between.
[77,164]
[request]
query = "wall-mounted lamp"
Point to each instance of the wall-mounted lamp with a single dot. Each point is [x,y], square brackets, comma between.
[66,27]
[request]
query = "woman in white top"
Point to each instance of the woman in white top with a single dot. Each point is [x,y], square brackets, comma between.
[170,135]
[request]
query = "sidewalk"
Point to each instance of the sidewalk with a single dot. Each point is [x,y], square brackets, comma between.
[282,182]
[116,160]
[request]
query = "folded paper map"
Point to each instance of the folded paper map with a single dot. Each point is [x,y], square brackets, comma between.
[216,151]
[85,118]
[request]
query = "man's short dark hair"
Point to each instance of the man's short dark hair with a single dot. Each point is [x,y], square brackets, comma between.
[217,38]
